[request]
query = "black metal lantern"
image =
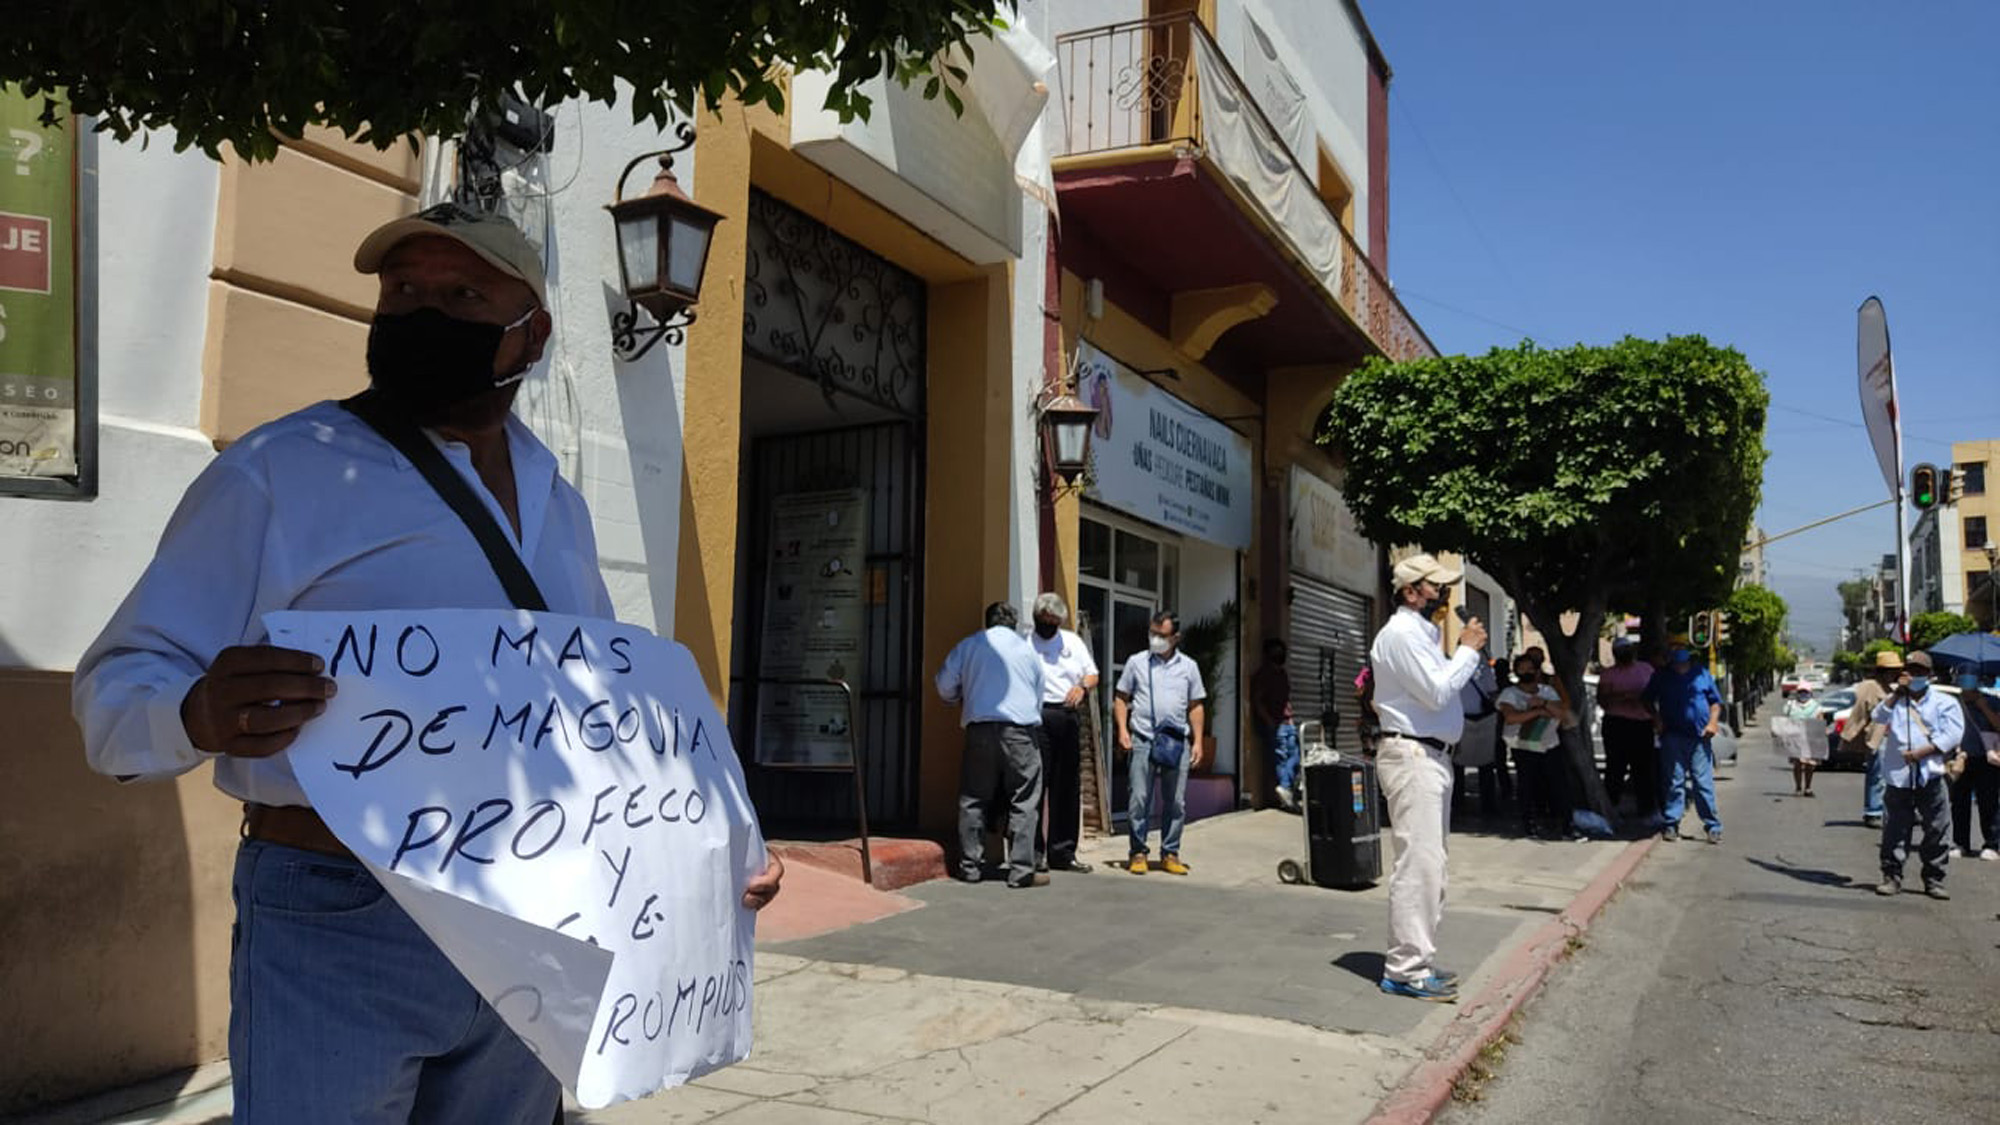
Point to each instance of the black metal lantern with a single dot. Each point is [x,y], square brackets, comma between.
[663,242]
[1066,425]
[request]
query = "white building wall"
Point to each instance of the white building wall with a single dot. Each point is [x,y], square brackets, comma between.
[615,426]
[76,559]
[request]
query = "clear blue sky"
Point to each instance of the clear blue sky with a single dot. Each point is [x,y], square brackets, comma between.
[1750,170]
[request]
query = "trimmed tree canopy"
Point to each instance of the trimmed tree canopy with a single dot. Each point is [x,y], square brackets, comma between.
[1578,477]
[235,72]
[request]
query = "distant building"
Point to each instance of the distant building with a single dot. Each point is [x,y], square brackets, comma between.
[1937,582]
[1750,568]
[1971,548]
[1879,612]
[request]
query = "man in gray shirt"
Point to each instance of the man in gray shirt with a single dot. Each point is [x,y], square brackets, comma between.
[996,679]
[1159,713]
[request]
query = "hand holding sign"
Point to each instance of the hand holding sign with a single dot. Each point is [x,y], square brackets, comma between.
[556,802]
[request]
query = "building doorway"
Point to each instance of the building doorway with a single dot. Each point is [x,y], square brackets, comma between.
[830,526]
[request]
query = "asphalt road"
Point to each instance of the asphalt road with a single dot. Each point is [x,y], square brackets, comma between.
[1763,980]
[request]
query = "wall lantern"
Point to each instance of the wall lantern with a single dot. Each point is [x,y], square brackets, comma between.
[663,240]
[1066,424]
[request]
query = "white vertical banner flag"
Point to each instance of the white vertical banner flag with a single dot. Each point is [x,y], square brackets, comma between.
[556,802]
[1879,407]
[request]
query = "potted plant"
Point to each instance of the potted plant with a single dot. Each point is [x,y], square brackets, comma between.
[1207,641]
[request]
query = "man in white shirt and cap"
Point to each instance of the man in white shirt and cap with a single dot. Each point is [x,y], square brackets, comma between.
[1417,697]
[341,1008]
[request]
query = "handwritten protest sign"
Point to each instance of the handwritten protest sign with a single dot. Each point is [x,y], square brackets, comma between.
[556,801]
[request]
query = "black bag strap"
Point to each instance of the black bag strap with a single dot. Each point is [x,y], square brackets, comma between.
[458,495]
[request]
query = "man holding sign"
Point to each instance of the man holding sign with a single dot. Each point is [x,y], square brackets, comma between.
[344,1006]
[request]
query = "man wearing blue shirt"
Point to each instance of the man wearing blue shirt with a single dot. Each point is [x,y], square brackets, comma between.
[1160,704]
[1687,708]
[1921,729]
[995,678]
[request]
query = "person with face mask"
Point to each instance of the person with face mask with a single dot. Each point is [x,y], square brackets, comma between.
[1687,710]
[1980,783]
[358,1015]
[1921,729]
[1861,737]
[996,681]
[1159,710]
[1068,675]
[1417,689]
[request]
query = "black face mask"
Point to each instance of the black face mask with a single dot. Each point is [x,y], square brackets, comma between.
[427,361]
[1045,629]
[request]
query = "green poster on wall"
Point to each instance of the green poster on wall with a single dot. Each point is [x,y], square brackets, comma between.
[38,298]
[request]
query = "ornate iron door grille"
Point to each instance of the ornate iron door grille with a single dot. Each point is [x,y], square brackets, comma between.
[828,308]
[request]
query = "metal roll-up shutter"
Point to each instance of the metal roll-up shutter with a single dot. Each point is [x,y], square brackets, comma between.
[1331,629]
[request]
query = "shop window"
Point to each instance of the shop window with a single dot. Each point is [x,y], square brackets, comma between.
[1138,562]
[1094,550]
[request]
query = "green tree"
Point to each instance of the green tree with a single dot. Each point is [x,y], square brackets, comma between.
[1756,633]
[1577,477]
[1854,595]
[1927,629]
[239,72]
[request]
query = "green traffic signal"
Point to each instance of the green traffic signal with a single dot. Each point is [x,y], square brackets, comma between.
[1923,487]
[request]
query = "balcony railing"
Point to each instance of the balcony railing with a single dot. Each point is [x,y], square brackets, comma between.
[1137,85]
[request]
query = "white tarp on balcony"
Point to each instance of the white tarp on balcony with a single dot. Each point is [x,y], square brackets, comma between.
[1255,158]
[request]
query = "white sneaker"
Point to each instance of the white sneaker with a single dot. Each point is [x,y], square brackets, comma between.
[1989,854]
[1960,853]
[1290,803]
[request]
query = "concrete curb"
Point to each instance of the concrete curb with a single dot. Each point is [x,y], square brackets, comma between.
[1427,1088]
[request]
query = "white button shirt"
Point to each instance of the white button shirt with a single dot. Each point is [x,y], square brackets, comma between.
[314,511]
[1416,688]
[1066,662]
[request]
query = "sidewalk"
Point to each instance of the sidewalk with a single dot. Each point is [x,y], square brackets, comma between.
[1105,997]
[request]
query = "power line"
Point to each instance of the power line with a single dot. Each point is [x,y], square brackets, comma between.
[1469,314]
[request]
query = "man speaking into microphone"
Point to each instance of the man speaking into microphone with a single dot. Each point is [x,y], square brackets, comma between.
[1417,699]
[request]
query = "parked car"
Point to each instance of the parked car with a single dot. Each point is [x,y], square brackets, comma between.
[1834,704]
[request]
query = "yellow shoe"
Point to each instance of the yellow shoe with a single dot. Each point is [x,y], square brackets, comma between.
[1173,865]
[1138,864]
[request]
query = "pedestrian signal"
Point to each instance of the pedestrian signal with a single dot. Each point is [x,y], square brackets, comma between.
[1924,487]
[1700,632]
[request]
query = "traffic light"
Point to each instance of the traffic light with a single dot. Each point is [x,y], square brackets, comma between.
[1721,628]
[1924,487]
[1700,631]
[1951,488]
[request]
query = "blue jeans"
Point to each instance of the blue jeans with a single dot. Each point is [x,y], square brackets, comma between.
[1139,810]
[1872,786]
[341,1010]
[1283,743]
[1685,758]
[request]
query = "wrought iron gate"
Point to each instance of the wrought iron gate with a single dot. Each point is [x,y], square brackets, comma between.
[885,462]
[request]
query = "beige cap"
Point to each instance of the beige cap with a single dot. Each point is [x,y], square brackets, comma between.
[1418,568]
[1887,658]
[491,237]
[1918,658]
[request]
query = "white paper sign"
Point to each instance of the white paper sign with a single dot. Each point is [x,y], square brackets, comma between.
[1799,739]
[556,801]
